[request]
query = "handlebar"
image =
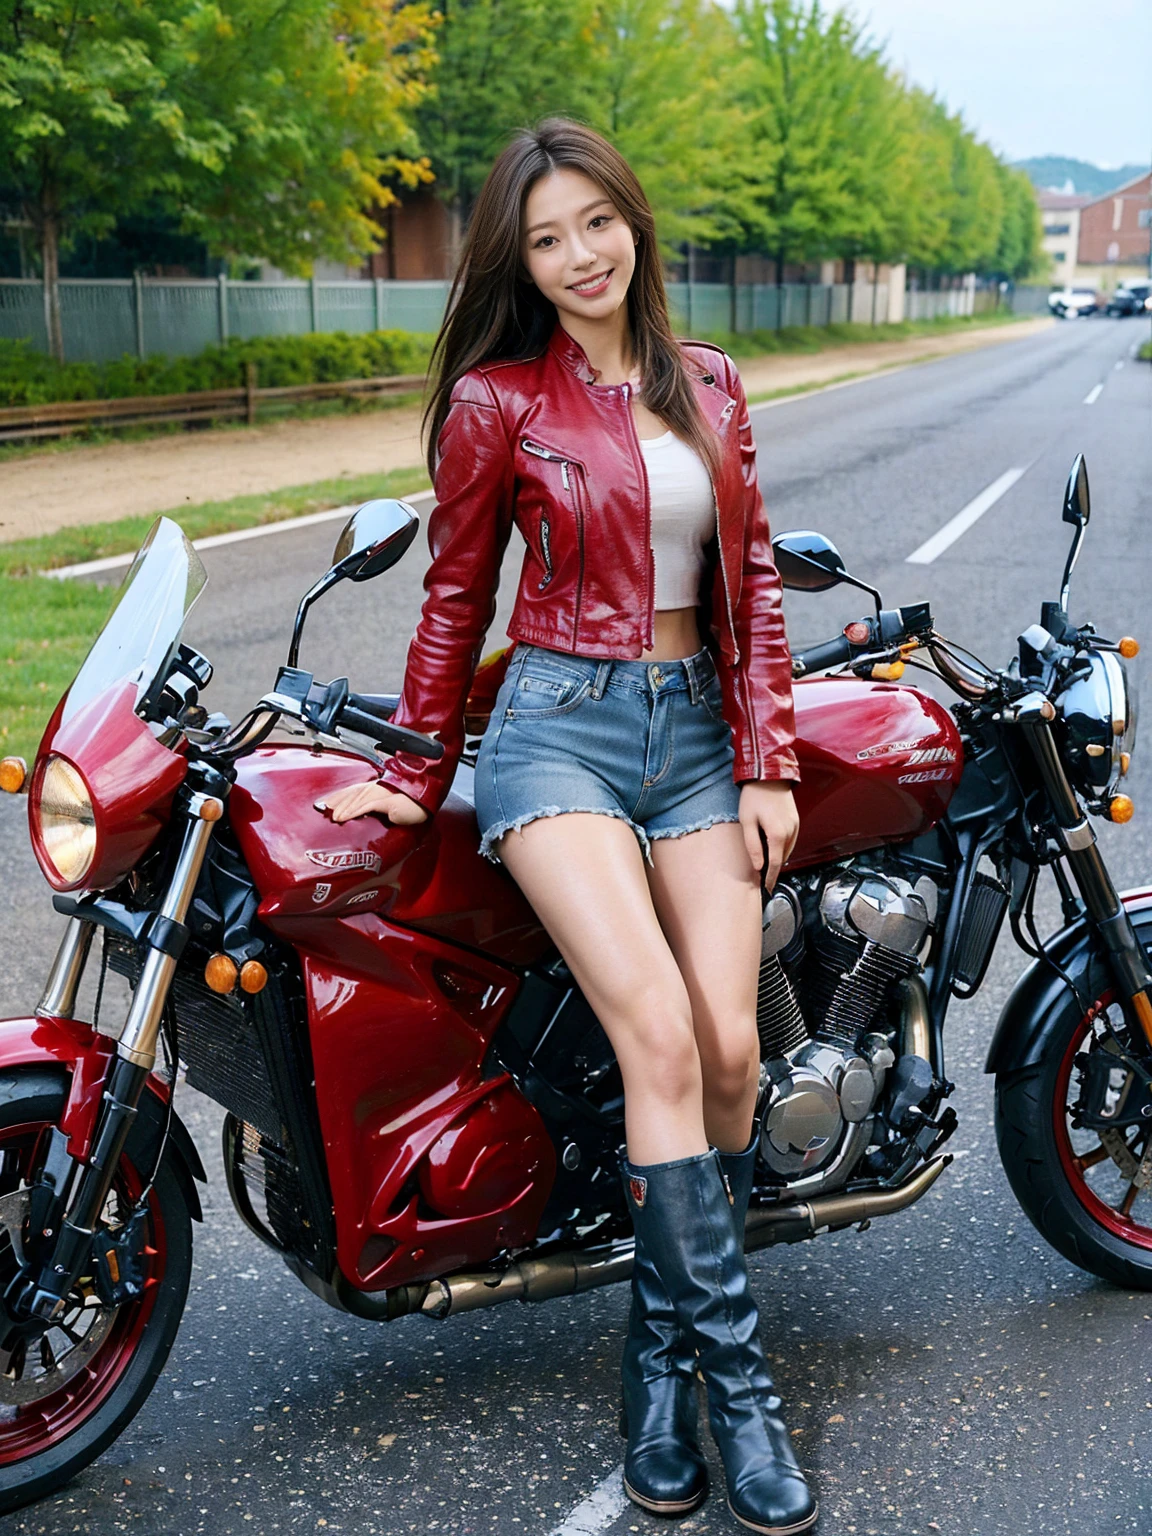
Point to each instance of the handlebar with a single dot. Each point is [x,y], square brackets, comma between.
[374,720]
[830,654]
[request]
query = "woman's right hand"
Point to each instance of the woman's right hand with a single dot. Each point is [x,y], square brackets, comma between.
[373,799]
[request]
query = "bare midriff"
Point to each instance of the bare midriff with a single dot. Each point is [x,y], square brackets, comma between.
[676,634]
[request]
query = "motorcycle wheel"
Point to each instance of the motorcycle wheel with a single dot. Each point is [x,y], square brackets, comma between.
[1088,1193]
[62,1404]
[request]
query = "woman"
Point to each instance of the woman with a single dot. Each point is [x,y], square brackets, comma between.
[633,779]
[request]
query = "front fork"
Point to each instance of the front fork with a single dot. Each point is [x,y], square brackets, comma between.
[43,1294]
[1101,902]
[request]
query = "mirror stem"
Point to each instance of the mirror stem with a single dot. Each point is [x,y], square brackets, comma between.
[329,579]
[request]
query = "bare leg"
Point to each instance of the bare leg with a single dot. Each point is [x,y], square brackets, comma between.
[707,899]
[584,875]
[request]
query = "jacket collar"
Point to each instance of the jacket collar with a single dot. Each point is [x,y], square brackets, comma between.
[571,353]
[575,359]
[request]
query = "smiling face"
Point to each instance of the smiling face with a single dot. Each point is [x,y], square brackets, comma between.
[573,232]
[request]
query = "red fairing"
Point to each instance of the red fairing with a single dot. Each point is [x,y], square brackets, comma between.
[433,1166]
[428,877]
[131,778]
[878,764]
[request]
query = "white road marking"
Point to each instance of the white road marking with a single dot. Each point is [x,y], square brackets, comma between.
[1093,394]
[263,531]
[598,1510]
[1119,365]
[951,531]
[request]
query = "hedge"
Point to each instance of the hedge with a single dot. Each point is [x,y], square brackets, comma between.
[28,377]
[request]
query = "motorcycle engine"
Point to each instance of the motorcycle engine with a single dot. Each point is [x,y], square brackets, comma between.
[833,950]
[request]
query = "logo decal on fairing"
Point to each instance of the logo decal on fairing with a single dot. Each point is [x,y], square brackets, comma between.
[932,755]
[362,896]
[345,859]
[883,748]
[927,776]
[322,892]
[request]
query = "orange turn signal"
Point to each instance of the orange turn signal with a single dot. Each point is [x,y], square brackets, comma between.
[1128,647]
[1125,759]
[1121,808]
[253,977]
[13,773]
[220,974]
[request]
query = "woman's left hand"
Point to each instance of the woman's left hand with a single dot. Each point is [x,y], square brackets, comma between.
[769,818]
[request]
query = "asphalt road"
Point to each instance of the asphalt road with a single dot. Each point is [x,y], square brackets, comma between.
[945,1371]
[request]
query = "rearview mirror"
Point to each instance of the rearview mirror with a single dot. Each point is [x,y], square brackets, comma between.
[1077,503]
[373,539]
[807,561]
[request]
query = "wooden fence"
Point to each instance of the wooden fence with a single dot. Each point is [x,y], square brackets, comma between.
[62,417]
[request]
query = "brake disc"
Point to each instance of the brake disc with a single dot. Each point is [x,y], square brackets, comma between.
[38,1366]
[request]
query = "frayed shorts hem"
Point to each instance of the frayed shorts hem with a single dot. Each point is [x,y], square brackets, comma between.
[498,829]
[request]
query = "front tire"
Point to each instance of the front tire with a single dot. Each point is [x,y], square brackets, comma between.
[1075,1185]
[52,1423]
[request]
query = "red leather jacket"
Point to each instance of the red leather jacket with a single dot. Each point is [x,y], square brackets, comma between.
[537,443]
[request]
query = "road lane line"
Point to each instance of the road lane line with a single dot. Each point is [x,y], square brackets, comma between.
[262,531]
[606,1501]
[1118,366]
[945,537]
[1093,394]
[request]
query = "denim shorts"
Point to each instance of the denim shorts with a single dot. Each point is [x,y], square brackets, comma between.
[645,741]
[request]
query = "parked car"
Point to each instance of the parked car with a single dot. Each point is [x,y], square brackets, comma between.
[1134,298]
[1069,303]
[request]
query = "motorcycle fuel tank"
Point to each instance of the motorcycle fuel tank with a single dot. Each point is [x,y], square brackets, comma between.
[878,764]
[429,876]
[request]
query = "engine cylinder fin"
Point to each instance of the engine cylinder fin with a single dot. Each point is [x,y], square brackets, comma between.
[779,1021]
[861,991]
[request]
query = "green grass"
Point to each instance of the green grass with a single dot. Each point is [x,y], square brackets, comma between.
[1145,352]
[46,628]
[47,625]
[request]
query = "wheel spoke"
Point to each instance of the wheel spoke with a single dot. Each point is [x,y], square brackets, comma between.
[1090,1159]
[1129,1199]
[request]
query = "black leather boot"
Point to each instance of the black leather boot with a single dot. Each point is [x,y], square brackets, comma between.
[683,1216]
[664,1467]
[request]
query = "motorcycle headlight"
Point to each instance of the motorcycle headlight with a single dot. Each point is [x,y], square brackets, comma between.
[64,822]
[1099,715]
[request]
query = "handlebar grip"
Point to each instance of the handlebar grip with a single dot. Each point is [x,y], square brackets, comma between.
[816,657]
[396,738]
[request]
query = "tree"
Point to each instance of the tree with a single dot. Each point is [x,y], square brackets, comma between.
[264,126]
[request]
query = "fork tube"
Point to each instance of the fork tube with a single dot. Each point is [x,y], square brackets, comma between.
[138,1039]
[59,999]
[1102,903]
[136,1056]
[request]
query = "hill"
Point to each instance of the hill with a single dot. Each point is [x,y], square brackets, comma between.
[1055,171]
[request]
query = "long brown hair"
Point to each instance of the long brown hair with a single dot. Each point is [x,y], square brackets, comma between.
[493,312]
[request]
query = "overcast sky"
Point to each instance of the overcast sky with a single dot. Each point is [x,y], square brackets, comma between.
[1033,77]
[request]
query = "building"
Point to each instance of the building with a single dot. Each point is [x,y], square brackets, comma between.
[1115,241]
[1060,216]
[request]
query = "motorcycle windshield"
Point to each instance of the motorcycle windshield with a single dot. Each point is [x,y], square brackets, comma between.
[142,633]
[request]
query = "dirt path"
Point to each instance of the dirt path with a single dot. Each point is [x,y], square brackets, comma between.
[97,484]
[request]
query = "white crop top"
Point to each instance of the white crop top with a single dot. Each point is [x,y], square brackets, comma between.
[683,517]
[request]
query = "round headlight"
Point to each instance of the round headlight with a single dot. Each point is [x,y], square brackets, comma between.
[1099,715]
[65,821]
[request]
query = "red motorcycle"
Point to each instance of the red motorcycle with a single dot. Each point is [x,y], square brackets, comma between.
[423,1113]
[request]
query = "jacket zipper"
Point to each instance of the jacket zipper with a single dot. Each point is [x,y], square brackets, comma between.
[650,609]
[545,530]
[545,538]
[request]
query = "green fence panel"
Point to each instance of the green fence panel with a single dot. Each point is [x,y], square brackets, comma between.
[181,318]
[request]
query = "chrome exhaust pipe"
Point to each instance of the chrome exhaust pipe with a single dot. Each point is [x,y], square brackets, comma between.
[566,1274]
